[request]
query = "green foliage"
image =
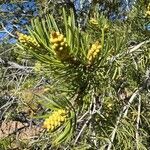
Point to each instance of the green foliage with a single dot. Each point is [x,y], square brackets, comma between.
[4,143]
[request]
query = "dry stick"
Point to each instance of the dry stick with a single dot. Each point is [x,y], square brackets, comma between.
[6,106]
[86,123]
[17,66]
[13,65]
[138,46]
[79,120]
[93,111]
[129,51]
[124,111]
[131,100]
[7,30]
[137,123]
[5,52]
[84,126]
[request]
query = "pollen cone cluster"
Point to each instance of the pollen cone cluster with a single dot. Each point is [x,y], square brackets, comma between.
[93,51]
[55,119]
[148,10]
[27,40]
[60,46]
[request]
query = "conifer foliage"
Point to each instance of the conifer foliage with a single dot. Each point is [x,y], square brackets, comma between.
[98,94]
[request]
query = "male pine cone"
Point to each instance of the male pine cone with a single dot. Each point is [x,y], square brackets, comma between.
[55,119]
[27,40]
[93,51]
[61,48]
[148,10]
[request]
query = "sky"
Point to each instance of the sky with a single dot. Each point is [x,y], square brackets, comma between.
[16,18]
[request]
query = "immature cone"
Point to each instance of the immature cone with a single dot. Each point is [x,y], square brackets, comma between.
[60,46]
[148,10]
[93,51]
[27,40]
[55,119]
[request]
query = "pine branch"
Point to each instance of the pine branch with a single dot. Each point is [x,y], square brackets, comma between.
[137,123]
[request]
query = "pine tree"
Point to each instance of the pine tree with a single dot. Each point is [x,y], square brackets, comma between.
[97,96]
